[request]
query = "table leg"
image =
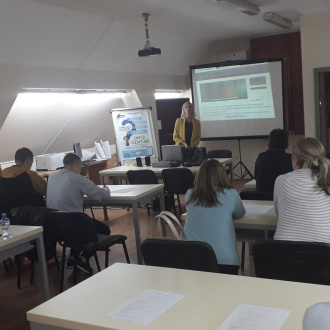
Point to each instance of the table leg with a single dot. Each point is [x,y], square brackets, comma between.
[231,172]
[42,265]
[162,208]
[137,232]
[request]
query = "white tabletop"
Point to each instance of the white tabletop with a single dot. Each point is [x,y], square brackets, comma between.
[122,170]
[19,233]
[209,299]
[251,185]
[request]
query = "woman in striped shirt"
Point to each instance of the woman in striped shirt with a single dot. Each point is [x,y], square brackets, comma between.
[302,197]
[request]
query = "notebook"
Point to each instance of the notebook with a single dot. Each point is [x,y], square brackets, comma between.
[172,152]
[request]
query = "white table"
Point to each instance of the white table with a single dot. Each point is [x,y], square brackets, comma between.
[121,171]
[251,185]
[209,299]
[131,196]
[21,242]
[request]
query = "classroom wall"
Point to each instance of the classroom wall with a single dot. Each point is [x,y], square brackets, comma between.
[16,77]
[315,31]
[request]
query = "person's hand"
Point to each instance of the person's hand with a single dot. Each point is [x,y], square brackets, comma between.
[184,144]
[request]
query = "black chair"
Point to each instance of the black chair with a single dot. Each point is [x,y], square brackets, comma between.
[33,216]
[221,153]
[18,192]
[178,181]
[76,231]
[256,195]
[192,255]
[142,177]
[306,262]
[253,195]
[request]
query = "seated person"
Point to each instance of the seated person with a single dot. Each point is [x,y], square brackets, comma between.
[19,186]
[302,197]
[65,192]
[211,207]
[273,162]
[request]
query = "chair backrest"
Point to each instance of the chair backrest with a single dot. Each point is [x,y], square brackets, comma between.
[192,255]
[18,192]
[256,195]
[221,153]
[34,216]
[142,177]
[306,262]
[72,228]
[178,180]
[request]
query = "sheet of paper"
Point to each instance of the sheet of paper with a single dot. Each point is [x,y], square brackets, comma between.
[259,209]
[106,148]
[146,306]
[120,191]
[251,317]
[99,150]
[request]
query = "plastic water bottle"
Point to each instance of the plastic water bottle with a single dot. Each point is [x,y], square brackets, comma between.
[5,224]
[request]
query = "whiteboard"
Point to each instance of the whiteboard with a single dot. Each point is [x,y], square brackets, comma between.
[134,132]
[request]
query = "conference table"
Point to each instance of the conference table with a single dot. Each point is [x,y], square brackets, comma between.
[131,196]
[120,172]
[20,242]
[206,300]
[251,185]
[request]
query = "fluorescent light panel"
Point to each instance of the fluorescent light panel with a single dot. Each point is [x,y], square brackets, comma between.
[244,6]
[167,94]
[277,20]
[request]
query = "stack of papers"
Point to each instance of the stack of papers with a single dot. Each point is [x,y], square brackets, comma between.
[102,150]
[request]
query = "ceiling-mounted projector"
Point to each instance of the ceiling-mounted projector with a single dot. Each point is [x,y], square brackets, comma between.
[148,50]
[244,6]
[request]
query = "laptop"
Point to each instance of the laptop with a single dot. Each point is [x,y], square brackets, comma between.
[172,153]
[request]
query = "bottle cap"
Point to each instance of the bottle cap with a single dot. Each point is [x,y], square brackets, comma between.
[4,215]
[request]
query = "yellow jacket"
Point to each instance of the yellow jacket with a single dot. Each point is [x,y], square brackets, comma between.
[179,132]
[39,184]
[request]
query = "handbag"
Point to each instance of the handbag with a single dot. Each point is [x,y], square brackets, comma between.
[169,218]
[193,156]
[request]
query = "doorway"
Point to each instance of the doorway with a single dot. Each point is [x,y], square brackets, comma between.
[322,106]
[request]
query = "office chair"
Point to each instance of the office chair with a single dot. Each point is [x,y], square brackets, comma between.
[307,262]
[253,195]
[142,177]
[178,181]
[33,216]
[191,255]
[76,231]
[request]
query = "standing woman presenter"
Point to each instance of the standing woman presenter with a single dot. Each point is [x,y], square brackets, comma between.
[187,130]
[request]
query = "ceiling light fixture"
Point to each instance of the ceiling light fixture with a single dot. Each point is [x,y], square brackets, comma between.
[277,20]
[244,6]
[148,50]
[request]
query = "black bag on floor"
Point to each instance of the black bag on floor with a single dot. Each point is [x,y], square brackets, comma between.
[193,156]
[168,200]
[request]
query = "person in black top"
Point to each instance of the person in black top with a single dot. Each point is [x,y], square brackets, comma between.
[273,162]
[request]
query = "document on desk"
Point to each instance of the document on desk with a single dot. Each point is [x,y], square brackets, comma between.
[251,317]
[146,306]
[258,209]
[121,191]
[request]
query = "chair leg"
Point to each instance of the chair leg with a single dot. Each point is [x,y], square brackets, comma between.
[126,253]
[106,263]
[242,256]
[62,270]
[18,261]
[56,261]
[10,263]
[97,263]
[92,212]
[148,209]
[5,264]
[179,204]
[32,272]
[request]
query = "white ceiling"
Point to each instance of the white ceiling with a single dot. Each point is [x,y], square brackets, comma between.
[107,34]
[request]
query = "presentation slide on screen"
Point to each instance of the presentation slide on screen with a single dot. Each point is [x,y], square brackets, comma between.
[242,97]
[238,100]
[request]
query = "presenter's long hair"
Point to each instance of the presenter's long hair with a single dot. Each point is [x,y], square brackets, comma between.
[310,154]
[191,106]
[210,179]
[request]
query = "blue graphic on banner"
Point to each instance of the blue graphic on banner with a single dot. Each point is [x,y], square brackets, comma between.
[136,153]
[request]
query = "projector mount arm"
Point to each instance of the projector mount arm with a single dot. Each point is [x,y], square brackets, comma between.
[146,16]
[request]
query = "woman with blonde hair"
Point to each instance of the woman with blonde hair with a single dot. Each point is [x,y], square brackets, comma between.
[302,197]
[187,129]
[211,207]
